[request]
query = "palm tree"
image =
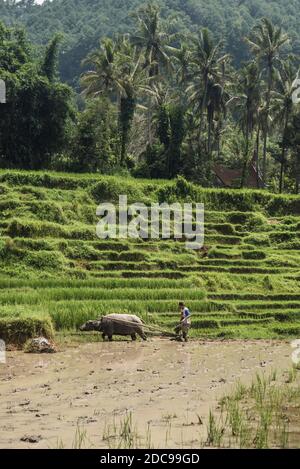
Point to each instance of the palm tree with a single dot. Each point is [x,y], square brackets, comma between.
[215,108]
[283,108]
[246,104]
[181,58]
[152,40]
[206,92]
[118,73]
[100,80]
[131,82]
[266,43]
[294,145]
[206,68]
[243,149]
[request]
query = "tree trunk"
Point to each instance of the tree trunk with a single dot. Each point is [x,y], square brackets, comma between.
[209,137]
[257,157]
[265,130]
[264,165]
[283,152]
[281,172]
[297,175]
[149,122]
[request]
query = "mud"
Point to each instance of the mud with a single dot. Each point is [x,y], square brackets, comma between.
[168,388]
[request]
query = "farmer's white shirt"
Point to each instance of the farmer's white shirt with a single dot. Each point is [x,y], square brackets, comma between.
[186,317]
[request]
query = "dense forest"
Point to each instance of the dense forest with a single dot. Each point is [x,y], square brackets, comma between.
[158,96]
[83,22]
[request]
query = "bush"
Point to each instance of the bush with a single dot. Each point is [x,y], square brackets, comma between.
[267,283]
[43,179]
[223,228]
[257,239]
[250,221]
[9,250]
[283,236]
[48,211]
[287,330]
[9,204]
[33,244]
[110,188]
[136,256]
[45,260]
[18,331]
[82,251]
[283,205]
[205,324]
[253,255]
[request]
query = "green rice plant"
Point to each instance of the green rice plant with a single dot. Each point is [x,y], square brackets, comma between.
[79,438]
[215,431]
[234,416]
[291,375]
[122,435]
[52,264]
[257,416]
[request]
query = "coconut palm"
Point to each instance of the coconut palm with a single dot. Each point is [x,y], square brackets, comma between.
[101,78]
[246,104]
[206,74]
[266,43]
[181,58]
[152,39]
[117,72]
[282,109]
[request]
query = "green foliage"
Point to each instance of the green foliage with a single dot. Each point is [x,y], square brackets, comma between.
[109,190]
[53,265]
[83,24]
[253,254]
[169,98]
[49,64]
[34,125]
[94,145]
[18,331]
[45,260]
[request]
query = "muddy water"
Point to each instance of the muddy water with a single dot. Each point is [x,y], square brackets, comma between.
[169,387]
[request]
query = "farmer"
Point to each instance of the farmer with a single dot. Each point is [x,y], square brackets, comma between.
[185,321]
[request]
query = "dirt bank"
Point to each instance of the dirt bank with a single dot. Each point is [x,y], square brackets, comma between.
[169,387]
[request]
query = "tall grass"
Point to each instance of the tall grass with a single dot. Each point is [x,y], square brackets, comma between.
[53,265]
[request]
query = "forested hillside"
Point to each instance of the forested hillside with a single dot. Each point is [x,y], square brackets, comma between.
[153,103]
[85,21]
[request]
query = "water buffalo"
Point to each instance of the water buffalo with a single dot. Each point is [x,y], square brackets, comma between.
[116,324]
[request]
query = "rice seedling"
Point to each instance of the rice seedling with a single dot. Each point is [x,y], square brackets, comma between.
[256,416]
[215,431]
[123,434]
[53,265]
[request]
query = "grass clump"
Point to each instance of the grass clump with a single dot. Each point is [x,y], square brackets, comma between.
[17,331]
[258,416]
[255,254]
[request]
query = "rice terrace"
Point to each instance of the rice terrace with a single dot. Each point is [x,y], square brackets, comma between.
[149,230]
[243,285]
